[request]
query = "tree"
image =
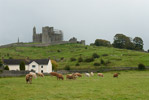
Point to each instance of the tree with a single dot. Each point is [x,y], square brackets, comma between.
[148,50]
[122,41]
[141,67]
[22,65]
[101,42]
[54,65]
[6,67]
[138,43]
[1,64]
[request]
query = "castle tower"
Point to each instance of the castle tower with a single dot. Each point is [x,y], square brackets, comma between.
[34,30]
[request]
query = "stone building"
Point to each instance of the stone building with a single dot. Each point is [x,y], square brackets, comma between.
[48,35]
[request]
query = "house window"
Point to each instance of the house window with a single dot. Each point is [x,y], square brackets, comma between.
[33,66]
[41,71]
[41,66]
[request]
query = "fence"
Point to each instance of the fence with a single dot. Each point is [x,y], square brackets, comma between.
[6,73]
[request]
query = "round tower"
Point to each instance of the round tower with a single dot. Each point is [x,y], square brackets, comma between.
[34,30]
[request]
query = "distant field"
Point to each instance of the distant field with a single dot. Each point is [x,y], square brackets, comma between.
[131,85]
[116,57]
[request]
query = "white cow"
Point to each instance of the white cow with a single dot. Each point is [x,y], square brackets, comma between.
[92,74]
[87,74]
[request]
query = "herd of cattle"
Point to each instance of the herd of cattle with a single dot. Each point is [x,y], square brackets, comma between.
[60,76]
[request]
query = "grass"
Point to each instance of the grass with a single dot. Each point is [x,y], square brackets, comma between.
[116,57]
[131,85]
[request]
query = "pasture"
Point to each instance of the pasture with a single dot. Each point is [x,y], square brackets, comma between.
[63,53]
[131,85]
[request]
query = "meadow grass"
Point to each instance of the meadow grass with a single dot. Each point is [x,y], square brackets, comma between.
[116,57]
[131,85]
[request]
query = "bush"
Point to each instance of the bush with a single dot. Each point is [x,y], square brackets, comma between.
[62,58]
[102,61]
[6,68]
[54,65]
[10,57]
[148,50]
[96,64]
[141,67]
[89,59]
[58,50]
[80,59]
[95,55]
[22,65]
[67,67]
[77,64]
[72,59]
[1,64]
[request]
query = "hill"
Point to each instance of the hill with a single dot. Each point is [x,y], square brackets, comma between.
[112,57]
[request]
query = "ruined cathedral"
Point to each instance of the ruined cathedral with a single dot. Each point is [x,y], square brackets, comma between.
[48,35]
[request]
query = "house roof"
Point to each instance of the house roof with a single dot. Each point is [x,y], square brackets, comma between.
[27,62]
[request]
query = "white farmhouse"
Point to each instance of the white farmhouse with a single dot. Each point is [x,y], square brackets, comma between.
[38,65]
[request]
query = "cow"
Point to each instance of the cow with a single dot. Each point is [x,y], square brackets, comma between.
[92,74]
[71,76]
[116,75]
[29,78]
[40,74]
[33,74]
[87,74]
[60,76]
[53,73]
[100,74]
[78,74]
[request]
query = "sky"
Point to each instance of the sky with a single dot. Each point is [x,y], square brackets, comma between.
[84,19]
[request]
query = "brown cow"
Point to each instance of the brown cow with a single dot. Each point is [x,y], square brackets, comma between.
[40,74]
[115,75]
[53,73]
[100,74]
[71,76]
[78,74]
[60,76]
[29,78]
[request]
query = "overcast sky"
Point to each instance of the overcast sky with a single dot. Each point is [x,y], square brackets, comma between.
[83,19]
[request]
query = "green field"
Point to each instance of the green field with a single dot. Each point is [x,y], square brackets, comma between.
[115,57]
[131,85]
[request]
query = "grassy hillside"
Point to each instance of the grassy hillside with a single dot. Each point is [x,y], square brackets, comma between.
[131,85]
[112,56]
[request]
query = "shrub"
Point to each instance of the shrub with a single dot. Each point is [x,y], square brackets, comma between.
[96,64]
[86,47]
[89,59]
[95,55]
[6,68]
[10,57]
[62,58]
[80,59]
[141,67]
[77,64]
[72,59]
[22,65]
[67,67]
[58,50]
[1,64]
[54,65]
[102,61]
[148,50]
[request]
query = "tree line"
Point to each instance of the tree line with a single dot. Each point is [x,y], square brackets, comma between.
[122,41]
